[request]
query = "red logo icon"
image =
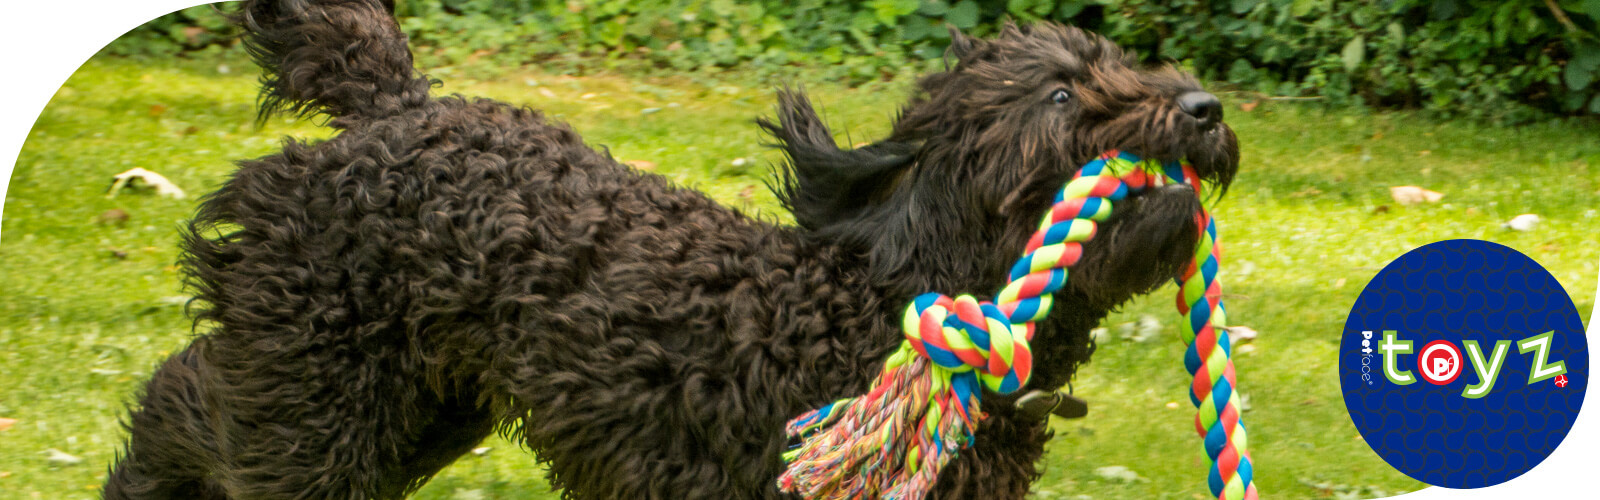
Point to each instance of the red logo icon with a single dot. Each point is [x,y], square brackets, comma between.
[1561,380]
[1439,362]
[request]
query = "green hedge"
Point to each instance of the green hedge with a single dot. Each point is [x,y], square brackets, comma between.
[1504,60]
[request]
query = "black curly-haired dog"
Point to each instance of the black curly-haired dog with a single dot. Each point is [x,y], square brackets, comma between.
[376,304]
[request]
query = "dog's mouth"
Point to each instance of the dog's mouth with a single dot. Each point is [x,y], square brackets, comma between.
[1213,155]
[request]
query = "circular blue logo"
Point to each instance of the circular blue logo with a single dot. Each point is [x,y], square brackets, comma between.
[1463,364]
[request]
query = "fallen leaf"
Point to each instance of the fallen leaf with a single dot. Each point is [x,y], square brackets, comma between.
[546,93]
[1118,473]
[1524,222]
[1147,328]
[641,164]
[114,216]
[1424,152]
[1380,209]
[1308,191]
[1239,334]
[588,96]
[748,193]
[191,130]
[1411,195]
[62,458]
[674,46]
[1248,106]
[118,254]
[162,186]
[6,423]
[157,110]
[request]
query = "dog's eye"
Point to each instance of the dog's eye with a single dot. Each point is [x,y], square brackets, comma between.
[1060,96]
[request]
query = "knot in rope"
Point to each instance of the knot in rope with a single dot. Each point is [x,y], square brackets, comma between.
[892,441]
[989,339]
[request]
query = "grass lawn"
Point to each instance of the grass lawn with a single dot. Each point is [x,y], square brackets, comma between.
[87,307]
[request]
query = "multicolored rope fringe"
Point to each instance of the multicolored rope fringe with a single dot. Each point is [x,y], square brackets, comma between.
[893,441]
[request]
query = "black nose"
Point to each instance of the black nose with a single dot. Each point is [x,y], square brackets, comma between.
[1203,106]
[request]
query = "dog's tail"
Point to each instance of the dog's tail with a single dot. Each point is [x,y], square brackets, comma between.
[344,58]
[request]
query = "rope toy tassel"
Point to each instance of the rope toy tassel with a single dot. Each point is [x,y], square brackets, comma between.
[924,407]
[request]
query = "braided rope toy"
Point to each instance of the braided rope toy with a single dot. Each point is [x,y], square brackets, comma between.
[893,441]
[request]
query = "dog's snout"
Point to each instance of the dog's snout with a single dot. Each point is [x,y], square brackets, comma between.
[1203,106]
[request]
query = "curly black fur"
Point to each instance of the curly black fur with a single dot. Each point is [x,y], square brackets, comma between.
[377,303]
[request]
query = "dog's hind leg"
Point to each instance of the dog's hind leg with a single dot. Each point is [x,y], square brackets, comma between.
[172,444]
[319,415]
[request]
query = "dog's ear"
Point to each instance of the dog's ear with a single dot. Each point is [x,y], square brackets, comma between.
[960,45]
[821,184]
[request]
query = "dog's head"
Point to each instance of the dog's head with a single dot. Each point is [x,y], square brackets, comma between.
[952,195]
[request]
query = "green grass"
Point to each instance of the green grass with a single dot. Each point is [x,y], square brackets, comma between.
[1304,230]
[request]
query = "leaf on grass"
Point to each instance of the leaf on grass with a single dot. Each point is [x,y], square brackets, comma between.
[162,186]
[1524,222]
[1146,329]
[6,423]
[1119,473]
[465,494]
[641,164]
[1239,334]
[59,457]
[1248,106]
[114,216]
[1411,195]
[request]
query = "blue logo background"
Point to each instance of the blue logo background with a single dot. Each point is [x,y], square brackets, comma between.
[1461,290]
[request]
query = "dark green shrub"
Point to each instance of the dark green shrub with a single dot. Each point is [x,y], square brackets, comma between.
[1504,60]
